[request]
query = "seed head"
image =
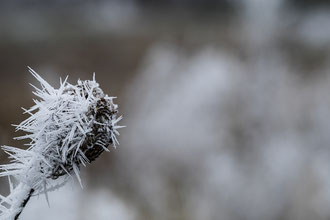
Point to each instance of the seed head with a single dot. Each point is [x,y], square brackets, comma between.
[67,127]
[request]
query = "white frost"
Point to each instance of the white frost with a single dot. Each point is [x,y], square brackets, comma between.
[56,128]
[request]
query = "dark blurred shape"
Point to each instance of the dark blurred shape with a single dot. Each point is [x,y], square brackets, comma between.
[196,5]
[308,4]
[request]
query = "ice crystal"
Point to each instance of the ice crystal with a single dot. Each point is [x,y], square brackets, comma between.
[68,127]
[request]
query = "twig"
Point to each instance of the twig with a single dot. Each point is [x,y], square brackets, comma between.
[25,201]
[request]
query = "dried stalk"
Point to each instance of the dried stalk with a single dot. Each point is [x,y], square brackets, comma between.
[68,127]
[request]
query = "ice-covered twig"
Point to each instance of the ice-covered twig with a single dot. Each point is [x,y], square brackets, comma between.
[68,127]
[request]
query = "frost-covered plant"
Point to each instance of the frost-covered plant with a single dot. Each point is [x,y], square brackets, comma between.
[68,127]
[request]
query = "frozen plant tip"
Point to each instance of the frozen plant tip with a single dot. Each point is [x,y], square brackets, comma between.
[68,127]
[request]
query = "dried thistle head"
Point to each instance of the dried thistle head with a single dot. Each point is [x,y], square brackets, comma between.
[68,127]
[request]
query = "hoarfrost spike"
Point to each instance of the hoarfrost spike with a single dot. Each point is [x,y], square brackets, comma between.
[68,127]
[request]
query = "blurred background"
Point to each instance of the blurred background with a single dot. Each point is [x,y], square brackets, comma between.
[226,103]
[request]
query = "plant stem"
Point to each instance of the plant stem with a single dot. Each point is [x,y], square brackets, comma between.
[23,204]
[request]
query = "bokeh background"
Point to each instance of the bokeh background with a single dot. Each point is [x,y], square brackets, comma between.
[226,103]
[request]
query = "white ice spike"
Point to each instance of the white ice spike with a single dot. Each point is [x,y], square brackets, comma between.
[67,127]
